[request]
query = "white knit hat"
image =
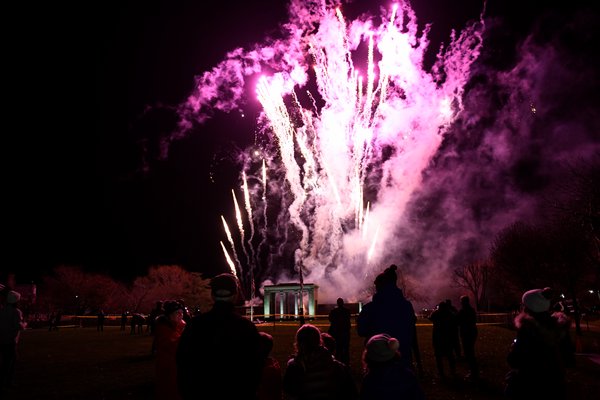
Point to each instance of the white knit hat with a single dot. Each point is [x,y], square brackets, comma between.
[535,300]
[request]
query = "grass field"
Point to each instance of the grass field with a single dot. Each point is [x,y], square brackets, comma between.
[80,363]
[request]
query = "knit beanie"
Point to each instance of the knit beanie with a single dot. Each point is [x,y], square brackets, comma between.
[382,347]
[387,277]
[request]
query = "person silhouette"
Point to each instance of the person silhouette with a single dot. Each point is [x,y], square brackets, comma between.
[391,313]
[385,376]
[270,386]
[537,358]
[219,350]
[124,320]
[454,332]
[11,325]
[442,338]
[167,331]
[100,321]
[467,325]
[339,328]
[313,373]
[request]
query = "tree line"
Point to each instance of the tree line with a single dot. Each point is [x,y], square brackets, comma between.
[70,289]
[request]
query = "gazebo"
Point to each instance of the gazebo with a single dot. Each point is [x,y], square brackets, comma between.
[290,300]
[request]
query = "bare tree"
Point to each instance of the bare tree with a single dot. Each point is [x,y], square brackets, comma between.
[474,277]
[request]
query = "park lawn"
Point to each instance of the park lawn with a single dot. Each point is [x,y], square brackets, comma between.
[80,363]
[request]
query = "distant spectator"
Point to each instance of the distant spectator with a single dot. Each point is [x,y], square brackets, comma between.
[124,320]
[100,317]
[50,321]
[386,378]
[339,328]
[219,350]
[454,332]
[168,329]
[313,373]
[137,323]
[443,339]
[141,318]
[56,320]
[270,387]
[467,325]
[154,313]
[11,325]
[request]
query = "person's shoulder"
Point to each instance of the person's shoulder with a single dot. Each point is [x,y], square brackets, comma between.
[292,363]
[368,306]
[161,320]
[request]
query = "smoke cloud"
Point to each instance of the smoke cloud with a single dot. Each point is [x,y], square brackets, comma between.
[528,118]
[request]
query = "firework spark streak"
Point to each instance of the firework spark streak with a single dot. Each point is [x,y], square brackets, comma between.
[366,143]
[230,238]
[240,222]
[251,220]
[228,259]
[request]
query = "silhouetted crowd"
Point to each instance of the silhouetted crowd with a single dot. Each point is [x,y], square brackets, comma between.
[223,353]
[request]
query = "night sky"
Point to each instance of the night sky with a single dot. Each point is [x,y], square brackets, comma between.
[89,97]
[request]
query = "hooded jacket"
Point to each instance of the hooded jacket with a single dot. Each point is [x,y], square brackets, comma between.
[538,356]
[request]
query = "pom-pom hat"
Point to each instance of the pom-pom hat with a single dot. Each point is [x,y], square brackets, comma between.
[382,347]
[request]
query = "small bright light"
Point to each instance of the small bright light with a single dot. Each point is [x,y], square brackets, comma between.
[591,291]
[256,153]
[562,296]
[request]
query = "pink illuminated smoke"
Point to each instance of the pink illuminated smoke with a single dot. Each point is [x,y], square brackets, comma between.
[352,121]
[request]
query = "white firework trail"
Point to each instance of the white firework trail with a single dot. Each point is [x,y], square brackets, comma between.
[240,222]
[228,259]
[264,194]
[264,203]
[252,259]
[372,247]
[230,238]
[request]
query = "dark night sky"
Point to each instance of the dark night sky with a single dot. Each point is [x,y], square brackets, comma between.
[74,188]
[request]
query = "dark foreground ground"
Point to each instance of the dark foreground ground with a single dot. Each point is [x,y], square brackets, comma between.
[80,363]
